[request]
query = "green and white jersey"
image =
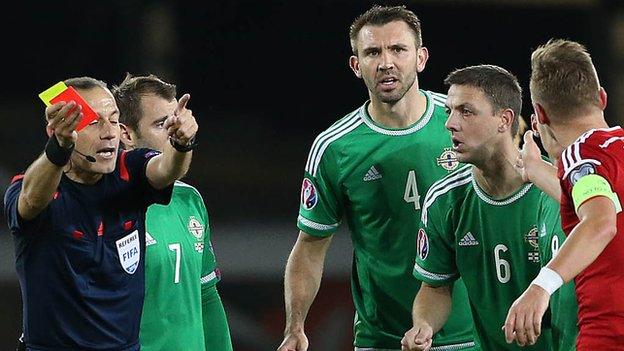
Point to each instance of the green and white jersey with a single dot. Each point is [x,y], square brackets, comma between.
[563,305]
[374,177]
[491,244]
[179,263]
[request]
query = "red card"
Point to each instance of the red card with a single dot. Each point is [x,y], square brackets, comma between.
[69,94]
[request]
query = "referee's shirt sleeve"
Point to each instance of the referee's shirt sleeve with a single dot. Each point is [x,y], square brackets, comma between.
[135,162]
[17,224]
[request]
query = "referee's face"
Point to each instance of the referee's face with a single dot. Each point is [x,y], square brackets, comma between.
[100,139]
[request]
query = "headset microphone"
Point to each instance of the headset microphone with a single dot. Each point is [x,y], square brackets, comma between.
[87,157]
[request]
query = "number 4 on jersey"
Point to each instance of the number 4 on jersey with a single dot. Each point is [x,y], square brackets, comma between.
[411,190]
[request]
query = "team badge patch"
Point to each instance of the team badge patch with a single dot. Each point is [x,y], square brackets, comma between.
[309,197]
[422,244]
[152,153]
[195,228]
[129,252]
[531,239]
[580,171]
[448,159]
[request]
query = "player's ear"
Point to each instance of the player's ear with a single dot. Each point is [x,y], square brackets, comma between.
[602,95]
[507,118]
[126,136]
[540,113]
[354,63]
[421,58]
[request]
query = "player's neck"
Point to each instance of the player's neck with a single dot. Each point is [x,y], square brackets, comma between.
[496,175]
[568,132]
[400,114]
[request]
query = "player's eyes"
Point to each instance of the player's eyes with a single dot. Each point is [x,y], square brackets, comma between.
[398,50]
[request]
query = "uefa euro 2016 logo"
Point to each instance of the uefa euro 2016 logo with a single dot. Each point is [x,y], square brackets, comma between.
[308,194]
[422,244]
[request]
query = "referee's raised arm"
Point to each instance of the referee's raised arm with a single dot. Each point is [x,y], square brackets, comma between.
[43,176]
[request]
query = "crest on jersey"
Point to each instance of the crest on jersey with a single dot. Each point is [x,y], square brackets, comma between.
[129,252]
[531,239]
[580,171]
[422,244]
[448,159]
[309,197]
[195,228]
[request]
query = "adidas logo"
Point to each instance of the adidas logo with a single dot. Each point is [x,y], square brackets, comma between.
[149,240]
[372,174]
[468,240]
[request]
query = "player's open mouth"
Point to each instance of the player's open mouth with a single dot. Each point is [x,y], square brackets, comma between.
[106,152]
[388,81]
[456,143]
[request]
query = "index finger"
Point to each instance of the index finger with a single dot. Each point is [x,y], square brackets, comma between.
[182,103]
[54,108]
[528,137]
[510,324]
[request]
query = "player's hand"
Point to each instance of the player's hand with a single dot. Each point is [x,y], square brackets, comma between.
[419,338]
[530,157]
[63,118]
[524,319]
[181,126]
[295,341]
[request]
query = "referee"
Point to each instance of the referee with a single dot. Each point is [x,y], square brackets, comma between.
[77,219]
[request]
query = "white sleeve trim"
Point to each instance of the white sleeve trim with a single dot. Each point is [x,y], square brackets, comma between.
[433,276]
[315,225]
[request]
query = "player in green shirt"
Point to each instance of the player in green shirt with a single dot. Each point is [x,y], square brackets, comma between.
[480,222]
[182,309]
[371,168]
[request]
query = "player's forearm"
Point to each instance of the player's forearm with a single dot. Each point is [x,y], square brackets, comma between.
[544,176]
[584,244]
[302,280]
[433,305]
[40,182]
[167,167]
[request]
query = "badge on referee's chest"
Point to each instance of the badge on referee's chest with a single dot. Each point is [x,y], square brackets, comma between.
[129,252]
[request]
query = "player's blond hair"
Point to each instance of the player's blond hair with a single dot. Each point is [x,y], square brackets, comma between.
[563,79]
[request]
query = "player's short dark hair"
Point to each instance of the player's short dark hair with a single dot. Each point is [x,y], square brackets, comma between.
[85,83]
[380,15]
[129,93]
[563,78]
[500,87]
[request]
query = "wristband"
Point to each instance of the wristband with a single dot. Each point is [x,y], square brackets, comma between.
[56,153]
[184,148]
[548,280]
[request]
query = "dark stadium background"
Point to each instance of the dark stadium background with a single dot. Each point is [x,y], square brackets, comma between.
[265,78]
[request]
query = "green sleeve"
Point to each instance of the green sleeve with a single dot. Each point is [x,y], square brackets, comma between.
[320,208]
[435,258]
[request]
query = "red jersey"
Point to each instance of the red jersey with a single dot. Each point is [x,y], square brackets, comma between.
[600,286]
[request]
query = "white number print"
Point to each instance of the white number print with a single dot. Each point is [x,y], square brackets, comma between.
[178,251]
[503,270]
[554,246]
[411,190]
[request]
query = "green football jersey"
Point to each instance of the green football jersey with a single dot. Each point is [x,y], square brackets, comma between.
[563,305]
[491,244]
[374,177]
[179,262]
